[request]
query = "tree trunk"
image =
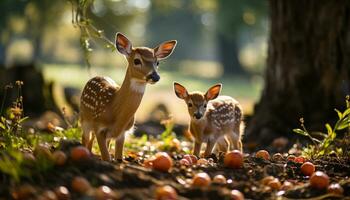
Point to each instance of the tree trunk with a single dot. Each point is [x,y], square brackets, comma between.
[308,67]
[229,56]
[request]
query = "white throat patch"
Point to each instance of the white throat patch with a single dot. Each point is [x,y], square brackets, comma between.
[137,85]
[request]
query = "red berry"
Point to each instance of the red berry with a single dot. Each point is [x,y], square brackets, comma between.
[236,195]
[319,180]
[201,180]
[166,193]
[59,157]
[299,159]
[79,153]
[263,154]
[233,159]
[307,168]
[80,185]
[162,162]
[219,179]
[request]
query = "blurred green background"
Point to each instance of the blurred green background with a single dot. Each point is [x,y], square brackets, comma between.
[218,41]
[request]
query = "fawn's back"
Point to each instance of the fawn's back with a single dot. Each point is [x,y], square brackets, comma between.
[97,98]
[223,113]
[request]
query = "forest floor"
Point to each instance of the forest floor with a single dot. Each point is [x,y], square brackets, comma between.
[131,180]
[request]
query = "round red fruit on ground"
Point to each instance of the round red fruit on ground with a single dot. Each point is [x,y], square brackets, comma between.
[59,157]
[291,158]
[319,180]
[201,180]
[233,159]
[80,185]
[79,153]
[299,159]
[220,179]
[166,193]
[307,168]
[335,188]
[263,154]
[236,195]
[162,162]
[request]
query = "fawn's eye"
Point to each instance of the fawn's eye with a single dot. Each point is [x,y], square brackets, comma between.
[205,105]
[137,61]
[189,104]
[157,63]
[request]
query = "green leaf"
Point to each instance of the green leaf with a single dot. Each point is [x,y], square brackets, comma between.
[301,132]
[344,123]
[2,126]
[340,115]
[329,129]
[23,119]
[346,112]
[318,134]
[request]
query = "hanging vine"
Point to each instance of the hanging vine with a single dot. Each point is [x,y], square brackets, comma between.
[88,31]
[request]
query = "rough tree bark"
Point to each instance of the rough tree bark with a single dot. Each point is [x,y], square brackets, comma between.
[308,67]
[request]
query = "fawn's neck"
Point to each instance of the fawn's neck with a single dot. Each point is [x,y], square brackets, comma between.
[129,95]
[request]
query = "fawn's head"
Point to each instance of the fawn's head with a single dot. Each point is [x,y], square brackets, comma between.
[144,61]
[197,101]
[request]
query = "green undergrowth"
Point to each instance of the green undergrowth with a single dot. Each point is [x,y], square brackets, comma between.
[336,139]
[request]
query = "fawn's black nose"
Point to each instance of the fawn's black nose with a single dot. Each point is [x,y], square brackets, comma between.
[197,115]
[154,77]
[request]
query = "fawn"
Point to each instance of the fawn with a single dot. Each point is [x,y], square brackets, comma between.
[214,119]
[106,109]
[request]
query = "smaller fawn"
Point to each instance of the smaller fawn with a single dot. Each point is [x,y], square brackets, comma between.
[214,119]
[108,110]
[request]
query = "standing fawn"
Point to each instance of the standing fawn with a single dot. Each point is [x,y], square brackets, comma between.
[214,119]
[106,109]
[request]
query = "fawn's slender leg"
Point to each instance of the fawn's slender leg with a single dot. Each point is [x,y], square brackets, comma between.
[210,146]
[235,137]
[235,141]
[87,136]
[102,143]
[222,144]
[91,141]
[197,148]
[119,143]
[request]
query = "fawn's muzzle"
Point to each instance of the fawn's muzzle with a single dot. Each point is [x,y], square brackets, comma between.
[154,77]
[197,115]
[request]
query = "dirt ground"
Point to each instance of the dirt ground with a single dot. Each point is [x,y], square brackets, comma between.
[130,180]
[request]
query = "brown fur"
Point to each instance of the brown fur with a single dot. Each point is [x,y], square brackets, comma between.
[107,110]
[222,119]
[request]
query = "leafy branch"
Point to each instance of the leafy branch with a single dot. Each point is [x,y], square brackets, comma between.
[87,30]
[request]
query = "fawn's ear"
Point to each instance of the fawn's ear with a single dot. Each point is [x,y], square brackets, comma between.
[180,91]
[123,44]
[213,92]
[165,49]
